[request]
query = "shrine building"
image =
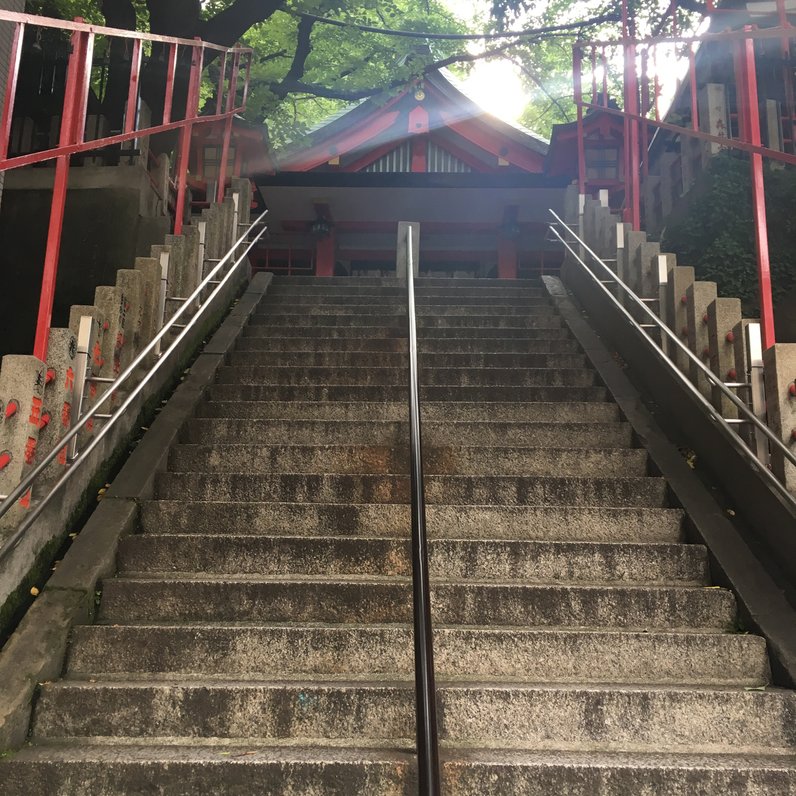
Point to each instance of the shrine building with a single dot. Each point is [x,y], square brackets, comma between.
[478,185]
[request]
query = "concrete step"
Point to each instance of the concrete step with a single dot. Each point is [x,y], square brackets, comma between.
[529,302]
[348,359]
[450,283]
[539,656]
[388,488]
[454,346]
[659,719]
[585,563]
[195,770]
[459,377]
[421,291]
[398,321]
[384,331]
[425,311]
[448,460]
[397,393]
[390,432]
[573,412]
[373,599]
[551,523]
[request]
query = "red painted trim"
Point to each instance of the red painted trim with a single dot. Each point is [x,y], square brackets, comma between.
[507,258]
[517,155]
[417,121]
[320,154]
[419,153]
[462,154]
[752,114]
[371,157]
[170,73]
[325,255]
[131,114]
[11,90]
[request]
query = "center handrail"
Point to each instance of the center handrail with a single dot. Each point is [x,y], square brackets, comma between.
[425,688]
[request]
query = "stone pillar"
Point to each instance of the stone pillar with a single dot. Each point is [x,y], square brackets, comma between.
[149,269]
[779,363]
[22,380]
[713,117]
[699,296]
[58,392]
[96,359]
[628,269]
[680,280]
[112,303]
[131,282]
[724,314]
[646,268]
[400,262]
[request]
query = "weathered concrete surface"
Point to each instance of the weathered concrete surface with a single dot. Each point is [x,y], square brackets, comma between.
[265,605]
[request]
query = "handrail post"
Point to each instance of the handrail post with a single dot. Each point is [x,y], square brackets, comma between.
[425,688]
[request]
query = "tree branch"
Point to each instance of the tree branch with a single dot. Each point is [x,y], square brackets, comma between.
[534,78]
[303,50]
[174,17]
[285,86]
[119,14]
[229,25]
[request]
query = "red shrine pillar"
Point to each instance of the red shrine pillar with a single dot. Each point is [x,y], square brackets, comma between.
[324,254]
[507,257]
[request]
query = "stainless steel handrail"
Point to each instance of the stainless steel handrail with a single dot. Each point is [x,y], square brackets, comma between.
[27,482]
[425,687]
[711,377]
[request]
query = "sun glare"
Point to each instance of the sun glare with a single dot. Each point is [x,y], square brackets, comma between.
[497,87]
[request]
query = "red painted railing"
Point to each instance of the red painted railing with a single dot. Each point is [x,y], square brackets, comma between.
[233,62]
[639,59]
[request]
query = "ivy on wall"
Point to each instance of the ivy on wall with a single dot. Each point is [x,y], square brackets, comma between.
[715,233]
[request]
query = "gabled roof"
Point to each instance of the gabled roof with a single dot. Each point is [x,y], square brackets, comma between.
[434,112]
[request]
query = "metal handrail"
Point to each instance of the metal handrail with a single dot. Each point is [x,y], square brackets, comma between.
[709,375]
[27,482]
[425,688]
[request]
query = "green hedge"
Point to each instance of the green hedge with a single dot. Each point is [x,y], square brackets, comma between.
[715,234]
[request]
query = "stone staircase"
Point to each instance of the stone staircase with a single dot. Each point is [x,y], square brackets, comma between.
[258,636]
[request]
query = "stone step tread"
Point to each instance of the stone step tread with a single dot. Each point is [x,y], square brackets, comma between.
[264,375]
[324,393]
[451,754]
[620,717]
[466,335]
[421,291]
[376,488]
[310,520]
[400,360]
[370,307]
[488,346]
[535,562]
[468,411]
[322,768]
[370,599]
[437,460]
[396,324]
[427,334]
[505,654]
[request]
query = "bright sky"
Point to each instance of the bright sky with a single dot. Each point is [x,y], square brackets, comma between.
[495,85]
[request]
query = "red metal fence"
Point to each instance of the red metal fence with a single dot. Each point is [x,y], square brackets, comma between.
[641,89]
[186,64]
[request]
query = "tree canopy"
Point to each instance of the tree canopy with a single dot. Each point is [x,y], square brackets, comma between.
[306,68]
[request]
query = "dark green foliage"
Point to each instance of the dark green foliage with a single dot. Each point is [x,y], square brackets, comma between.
[715,234]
